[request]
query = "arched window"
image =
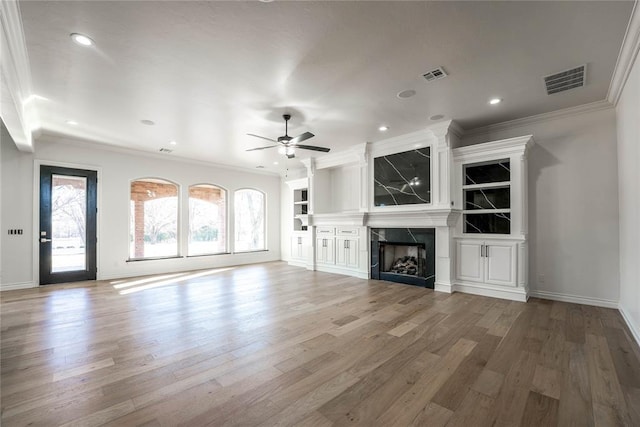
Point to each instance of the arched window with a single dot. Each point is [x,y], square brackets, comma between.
[207,220]
[154,219]
[249,214]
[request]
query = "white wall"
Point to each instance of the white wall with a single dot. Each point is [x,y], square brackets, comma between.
[628,127]
[116,170]
[16,204]
[573,205]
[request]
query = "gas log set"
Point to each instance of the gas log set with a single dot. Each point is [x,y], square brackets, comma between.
[405,265]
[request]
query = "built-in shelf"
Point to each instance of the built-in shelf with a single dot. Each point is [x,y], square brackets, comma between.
[300,208]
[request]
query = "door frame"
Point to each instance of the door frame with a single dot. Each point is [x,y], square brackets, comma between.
[36,213]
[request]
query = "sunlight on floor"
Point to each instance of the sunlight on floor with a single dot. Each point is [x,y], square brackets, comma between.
[151,283]
[124,284]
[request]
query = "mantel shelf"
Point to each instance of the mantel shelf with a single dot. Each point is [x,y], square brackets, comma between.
[338,218]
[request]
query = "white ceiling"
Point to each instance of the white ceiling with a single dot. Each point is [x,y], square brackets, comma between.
[209,72]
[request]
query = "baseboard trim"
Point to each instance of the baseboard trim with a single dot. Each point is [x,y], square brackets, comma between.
[302,264]
[635,331]
[514,294]
[344,272]
[555,296]
[15,286]
[443,287]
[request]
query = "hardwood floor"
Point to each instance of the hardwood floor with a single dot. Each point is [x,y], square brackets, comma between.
[274,345]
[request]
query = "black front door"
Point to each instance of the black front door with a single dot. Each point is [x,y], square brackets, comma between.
[67,224]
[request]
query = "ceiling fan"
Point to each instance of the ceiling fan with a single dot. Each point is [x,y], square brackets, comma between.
[287,143]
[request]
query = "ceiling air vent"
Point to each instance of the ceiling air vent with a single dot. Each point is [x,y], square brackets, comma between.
[566,80]
[435,74]
[166,150]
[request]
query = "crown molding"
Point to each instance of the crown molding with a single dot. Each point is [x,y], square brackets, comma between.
[626,57]
[518,146]
[18,109]
[66,140]
[538,118]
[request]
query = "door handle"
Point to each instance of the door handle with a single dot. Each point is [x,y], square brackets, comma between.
[481,251]
[486,251]
[43,240]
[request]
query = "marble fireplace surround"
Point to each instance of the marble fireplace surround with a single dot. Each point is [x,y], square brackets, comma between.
[442,220]
[392,245]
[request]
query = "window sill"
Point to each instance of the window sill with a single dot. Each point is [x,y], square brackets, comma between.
[203,255]
[154,258]
[250,252]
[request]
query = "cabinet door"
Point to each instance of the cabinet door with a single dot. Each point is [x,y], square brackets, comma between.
[321,254]
[341,251]
[352,253]
[325,250]
[330,250]
[347,252]
[501,263]
[296,247]
[299,248]
[469,260]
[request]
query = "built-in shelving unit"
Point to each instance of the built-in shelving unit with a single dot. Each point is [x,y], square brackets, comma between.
[491,236]
[300,208]
[486,197]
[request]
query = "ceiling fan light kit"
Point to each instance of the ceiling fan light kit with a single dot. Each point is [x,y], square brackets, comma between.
[286,144]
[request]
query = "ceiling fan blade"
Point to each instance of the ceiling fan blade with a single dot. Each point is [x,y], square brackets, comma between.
[261,148]
[262,137]
[302,137]
[314,148]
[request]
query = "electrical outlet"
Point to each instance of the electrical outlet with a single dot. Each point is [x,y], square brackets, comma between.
[540,278]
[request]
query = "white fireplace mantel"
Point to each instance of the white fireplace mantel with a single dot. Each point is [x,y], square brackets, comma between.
[416,219]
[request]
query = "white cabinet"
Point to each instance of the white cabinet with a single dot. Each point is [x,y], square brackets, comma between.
[490,182]
[325,250]
[347,252]
[469,261]
[486,261]
[299,248]
[500,260]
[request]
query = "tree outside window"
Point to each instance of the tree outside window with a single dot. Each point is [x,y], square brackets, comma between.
[249,215]
[207,220]
[154,219]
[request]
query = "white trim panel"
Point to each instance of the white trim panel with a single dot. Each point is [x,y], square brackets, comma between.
[626,57]
[15,286]
[627,318]
[575,299]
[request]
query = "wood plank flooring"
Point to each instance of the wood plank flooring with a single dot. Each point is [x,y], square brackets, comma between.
[273,345]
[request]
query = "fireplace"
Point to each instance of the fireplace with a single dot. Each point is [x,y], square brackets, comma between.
[403,255]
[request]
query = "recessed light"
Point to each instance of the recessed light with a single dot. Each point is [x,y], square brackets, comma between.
[72,122]
[383,128]
[173,143]
[147,122]
[494,101]
[81,39]
[436,117]
[406,93]
[266,1]
[275,163]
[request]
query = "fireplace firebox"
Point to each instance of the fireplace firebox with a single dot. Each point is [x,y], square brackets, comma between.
[404,255]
